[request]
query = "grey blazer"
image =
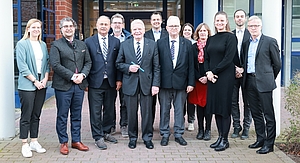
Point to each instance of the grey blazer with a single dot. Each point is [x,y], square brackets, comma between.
[150,77]
[64,58]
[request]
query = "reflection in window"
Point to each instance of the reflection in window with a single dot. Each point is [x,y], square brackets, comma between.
[128,5]
[231,5]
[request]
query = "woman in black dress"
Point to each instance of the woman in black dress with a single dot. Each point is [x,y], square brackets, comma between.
[220,51]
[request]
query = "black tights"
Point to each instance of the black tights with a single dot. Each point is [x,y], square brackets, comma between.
[223,125]
[201,114]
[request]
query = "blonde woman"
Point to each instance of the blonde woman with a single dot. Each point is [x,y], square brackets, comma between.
[32,61]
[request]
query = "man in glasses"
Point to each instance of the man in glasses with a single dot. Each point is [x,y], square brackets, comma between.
[177,79]
[261,62]
[71,63]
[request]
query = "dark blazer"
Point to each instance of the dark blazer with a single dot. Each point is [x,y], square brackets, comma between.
[267,63]
[100,66]
[246,37]
[149,34]
[183,74]
[150,63]
[64,59]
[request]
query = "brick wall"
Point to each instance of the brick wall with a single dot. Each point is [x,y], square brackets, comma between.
[63,8]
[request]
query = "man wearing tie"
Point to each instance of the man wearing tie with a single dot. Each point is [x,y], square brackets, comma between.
[243,36]
[155,33]
[138,60]
[261,60]
[104,81]
[177,79]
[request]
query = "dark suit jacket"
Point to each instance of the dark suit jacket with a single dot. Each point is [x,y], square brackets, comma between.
[183,74]
[246,37]
[64,59]
[149,34]
[100,66]
[267,63]
[150,63]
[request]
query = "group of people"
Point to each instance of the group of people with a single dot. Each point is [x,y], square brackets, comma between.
[176,66]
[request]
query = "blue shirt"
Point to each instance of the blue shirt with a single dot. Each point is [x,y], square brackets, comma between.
[251,54]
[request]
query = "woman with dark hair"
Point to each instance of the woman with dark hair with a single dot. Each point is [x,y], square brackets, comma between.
[198,95]
[220,51]
[33,65]
[187,31]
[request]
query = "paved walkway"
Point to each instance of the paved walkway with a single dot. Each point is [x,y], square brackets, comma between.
[195,151]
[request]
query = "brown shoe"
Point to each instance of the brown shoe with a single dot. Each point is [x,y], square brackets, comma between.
[80,146]
[64,149]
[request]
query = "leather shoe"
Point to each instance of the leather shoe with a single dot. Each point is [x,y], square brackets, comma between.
[216,143]
[200,135]
[245,134]
[224,144]
[265,150]
[64,148]
[132,144]
[149,144]
[80,146]
[164,141]
[181,141]
[257,144]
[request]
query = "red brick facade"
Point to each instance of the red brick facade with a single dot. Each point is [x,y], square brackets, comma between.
[63,8]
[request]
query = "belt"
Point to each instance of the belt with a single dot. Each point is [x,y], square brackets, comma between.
[251,74]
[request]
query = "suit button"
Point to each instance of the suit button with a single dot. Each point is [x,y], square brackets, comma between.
[106,63]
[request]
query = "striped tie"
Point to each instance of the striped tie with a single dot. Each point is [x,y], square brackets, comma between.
[173,49]
[104,48]
[138,53]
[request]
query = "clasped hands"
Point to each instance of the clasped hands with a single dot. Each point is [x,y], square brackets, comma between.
[211,77]
[77,78]
[40,84]
[239,72]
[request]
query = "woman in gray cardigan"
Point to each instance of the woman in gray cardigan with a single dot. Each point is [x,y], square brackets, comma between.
[32,60]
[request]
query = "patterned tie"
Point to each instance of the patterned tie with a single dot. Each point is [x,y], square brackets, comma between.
[173,49]
[104,49]
[138,53]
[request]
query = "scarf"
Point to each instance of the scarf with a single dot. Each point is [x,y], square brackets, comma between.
[201,52]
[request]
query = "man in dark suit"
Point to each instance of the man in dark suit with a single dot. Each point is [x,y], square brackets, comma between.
[261,66]
[155,33]
[243,36]
[138,60]
[104,81]
[71,64]
[177,79]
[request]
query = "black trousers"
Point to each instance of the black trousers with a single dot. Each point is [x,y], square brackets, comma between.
[31,108]
[101,120]
[223,125]
[123,111]
[236,108]
[201,114]
[262,110]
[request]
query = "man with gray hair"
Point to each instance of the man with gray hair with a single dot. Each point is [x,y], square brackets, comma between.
[138,60]
[71,63]
[177,80]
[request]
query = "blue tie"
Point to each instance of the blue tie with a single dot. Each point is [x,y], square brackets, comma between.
[173,49]
[104,49]
[138,53]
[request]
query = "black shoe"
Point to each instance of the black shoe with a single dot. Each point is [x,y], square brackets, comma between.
[149,144]
[132,144]
[207,135]
[200,135]
[265,150]
[257,144]
[224,144]
[215,144]
[236,132]
[164,141]
[245,134]
[181,141]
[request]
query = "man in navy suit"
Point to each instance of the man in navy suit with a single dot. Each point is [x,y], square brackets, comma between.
[155,33]
[104,81]
[138,60]
[261,60]
[243,36]
[71,63]
[177,79]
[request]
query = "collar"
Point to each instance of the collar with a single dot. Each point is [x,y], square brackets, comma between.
[256,40]
[100,36]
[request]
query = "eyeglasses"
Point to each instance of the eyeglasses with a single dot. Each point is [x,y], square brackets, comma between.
[68,26]
[117,23]
[255,26]
[173,26]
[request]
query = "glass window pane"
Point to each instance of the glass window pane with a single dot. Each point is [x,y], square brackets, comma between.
[129,5]
[295,46]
